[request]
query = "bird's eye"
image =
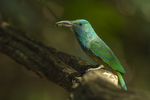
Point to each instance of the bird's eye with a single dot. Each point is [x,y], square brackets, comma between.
[80,24]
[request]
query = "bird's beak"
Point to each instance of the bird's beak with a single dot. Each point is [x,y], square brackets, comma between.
[69,24]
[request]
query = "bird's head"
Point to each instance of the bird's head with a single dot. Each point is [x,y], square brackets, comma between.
[77,26]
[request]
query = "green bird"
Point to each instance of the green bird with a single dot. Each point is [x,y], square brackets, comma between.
[95,47]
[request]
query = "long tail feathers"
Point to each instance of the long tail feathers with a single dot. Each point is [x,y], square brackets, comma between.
[121,81]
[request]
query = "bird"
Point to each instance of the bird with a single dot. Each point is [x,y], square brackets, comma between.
[95,47]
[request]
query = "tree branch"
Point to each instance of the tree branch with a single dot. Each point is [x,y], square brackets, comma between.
[61,68]
[94,86]
[44,60]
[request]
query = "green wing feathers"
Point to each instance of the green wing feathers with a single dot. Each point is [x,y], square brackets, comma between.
[100,49]
[121,81]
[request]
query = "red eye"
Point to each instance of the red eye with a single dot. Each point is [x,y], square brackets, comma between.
[80,24]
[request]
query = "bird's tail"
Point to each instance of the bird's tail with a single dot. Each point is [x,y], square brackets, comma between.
[121,81]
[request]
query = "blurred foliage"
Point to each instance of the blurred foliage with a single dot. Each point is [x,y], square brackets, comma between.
[123,24]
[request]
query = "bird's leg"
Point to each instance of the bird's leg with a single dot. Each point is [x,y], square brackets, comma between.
[92,69]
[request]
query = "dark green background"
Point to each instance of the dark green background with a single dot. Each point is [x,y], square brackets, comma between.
[123,24]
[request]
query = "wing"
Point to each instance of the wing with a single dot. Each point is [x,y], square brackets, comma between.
[100,49]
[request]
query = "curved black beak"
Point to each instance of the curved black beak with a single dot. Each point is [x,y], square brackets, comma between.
[69,24]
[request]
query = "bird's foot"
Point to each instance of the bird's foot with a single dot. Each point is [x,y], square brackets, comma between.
[92,69]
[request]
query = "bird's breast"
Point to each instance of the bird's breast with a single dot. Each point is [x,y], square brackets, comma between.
[83,45]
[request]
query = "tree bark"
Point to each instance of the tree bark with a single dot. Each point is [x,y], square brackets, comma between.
[61,68]
[94,86]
